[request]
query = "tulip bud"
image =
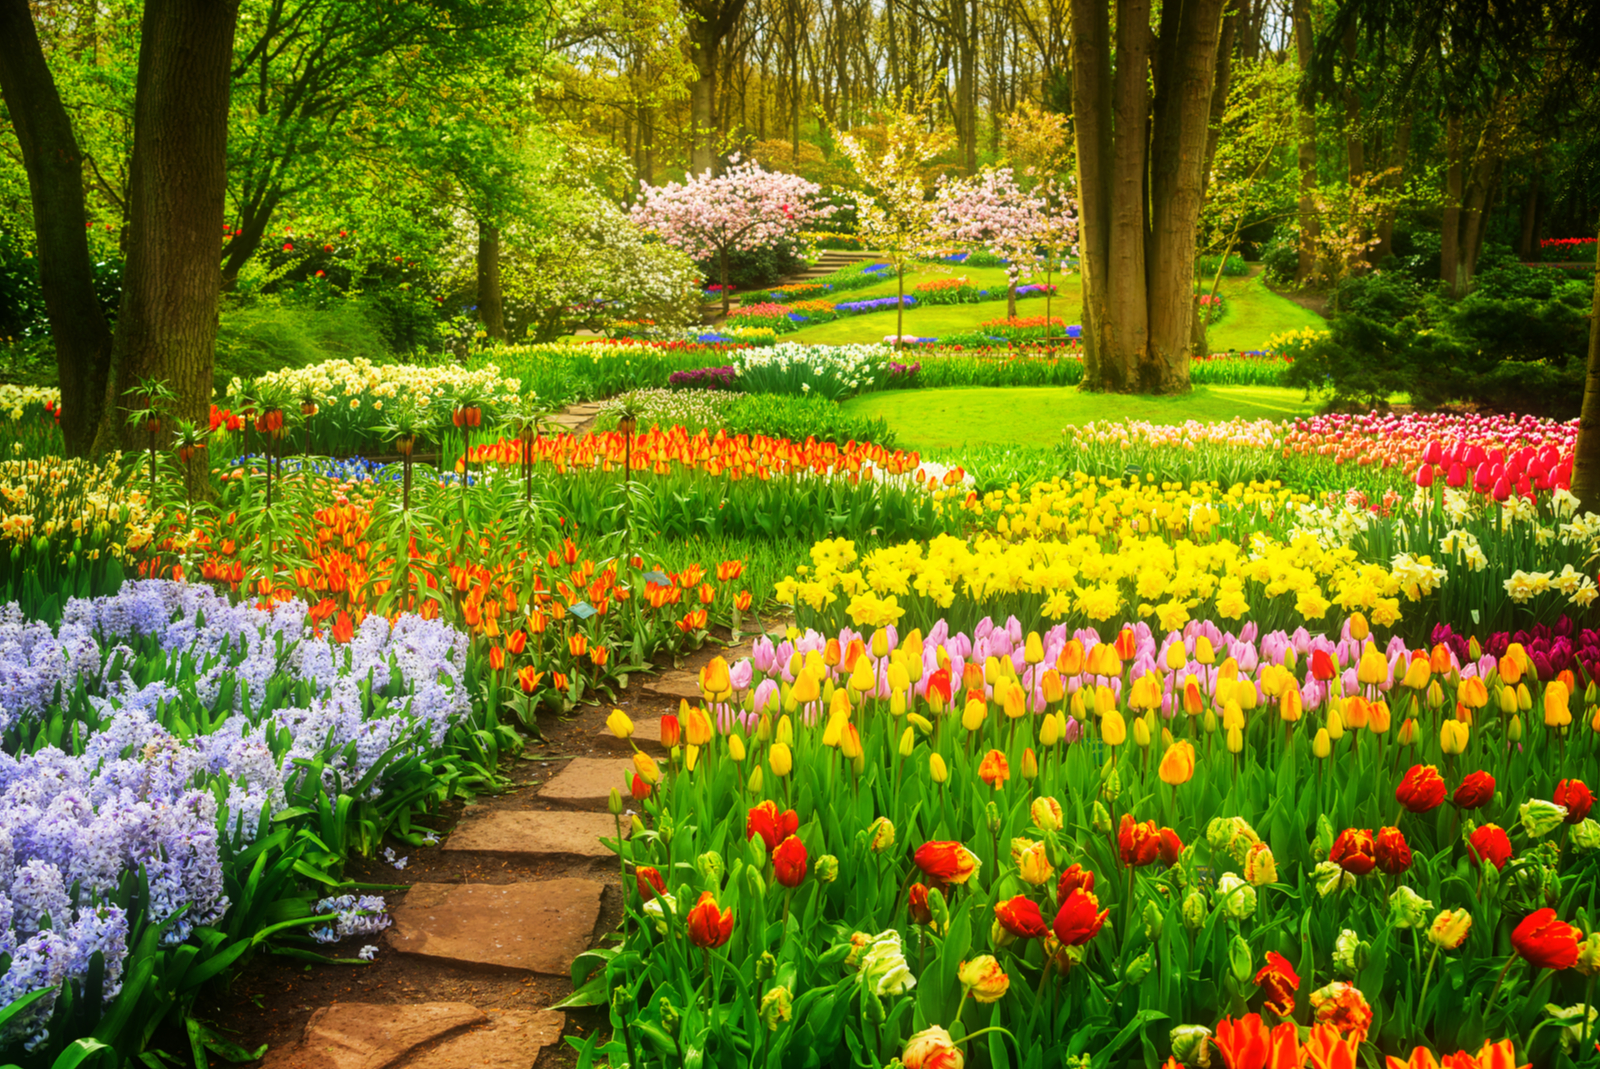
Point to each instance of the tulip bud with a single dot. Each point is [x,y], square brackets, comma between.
[937,769]
[614,803]
[1030,764]
[755,781]
[1407,909]
[709,865]
[993,813]
[1048,734]
[637,825]
[1588,962]
[827,868]
[880,835]
[1240,960]
[1514,729]
[1335,725]
[1139,968]
[785,733]
[620,725]
[1235,897]
[939,909]
[1209,722]
[1046,813]
[1153,919]
[1111,784]
[1540,818]
[1408,732]
[1099,819]
[1586,834]
[1350,954]
[1141,733]
[735,747]
[1322,745]
[1235,740]
[780,758]
[1000,935]
[1449,929]
[1195,910]
[1190,1043]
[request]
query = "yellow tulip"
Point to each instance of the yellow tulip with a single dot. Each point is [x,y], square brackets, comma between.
[647,768]
[974,714]
[1030,764]
[691,757]
[714,679]
[1378,718]
[1033,649]
[1075,704]
[1556,699]
[833,730]
[1204,652]
[1514,729]
[919,721]
[899,678]
[1177,764]
[840,705]
[754,785]
[1050,683]
[850,741]
[1047,732]
[1235,740]
[736,747]
[780,759]
[937,769]
[908,742]
[1322,745]
[697,729]
[880,643]
[1232,716]
[1033,865]
[1290,704]
[1105,700]
[1335,728]
[1453,737]
[1177,656]
[1417,674]
[1358,627]
[1113,729]
[1472,693]
[1015,702]
[807,689]
[619,724]
[1408,732]
[864,678]
[785,730]
[1141,732]
[1524,698]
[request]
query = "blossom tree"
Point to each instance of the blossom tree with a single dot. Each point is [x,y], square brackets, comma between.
[896,213]
[744,208]
[987,210]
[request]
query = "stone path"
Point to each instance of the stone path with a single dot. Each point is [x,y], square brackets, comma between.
[428,1035]
[578,418]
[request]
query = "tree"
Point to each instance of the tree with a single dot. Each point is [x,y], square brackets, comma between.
[1140,155]
[745,208]
[54,166]
[989,211]
[710,21]
[166,324]
[895,213]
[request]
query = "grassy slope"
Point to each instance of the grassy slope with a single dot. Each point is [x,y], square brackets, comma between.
[1029,415]
[1255,313]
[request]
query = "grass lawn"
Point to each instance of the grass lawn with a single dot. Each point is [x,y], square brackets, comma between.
[1035,415]
[1255,313]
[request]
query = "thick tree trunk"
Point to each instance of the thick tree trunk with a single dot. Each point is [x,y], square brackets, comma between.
[1090,56]
[1450,226]
[55,181]
[703,50]
[1219,94]
[491,302]
[1306,128]
[167,325]
[1586,451]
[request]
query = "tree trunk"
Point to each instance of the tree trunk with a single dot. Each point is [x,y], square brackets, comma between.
[1310,224]
[491,302]
[1090,54]
[1394,180]
[1528,235]
[1586,451]
[1450,226]
[54,165]
[253,219]
[703,49]
[167,324]
[1219,94]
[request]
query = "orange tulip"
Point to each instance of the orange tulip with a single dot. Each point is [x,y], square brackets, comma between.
[709,926]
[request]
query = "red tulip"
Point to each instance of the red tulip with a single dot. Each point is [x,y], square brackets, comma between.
[1575,795]
[671,732]
[1546,942]
[708,926]
[1352,850]
[773,827]
[789,862]
[649,881]
[1321,665]
[1139,844]
[1424,475]
[1072,879]
[1021,917]
[1421,789]
[1079,918]
[917,900]
[1171,847]
[1392,851]
[946,862]
[1279,981]
[1476,791]
[1489,843]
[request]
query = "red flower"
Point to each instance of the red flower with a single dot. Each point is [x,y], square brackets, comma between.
[1071,880]
[709,926]
[1279,981]
[1021,917]
[1575,795]
[649,881]
[671,732]
[639,788]
[946,862]
[1321,665]
[773,827]
[1171,846]
[1546,942]
[1139,844]
[917,900]
[789,861]
[1392,851]
[1352,850]
[939,683]
[1421,789]
[1079,918]
[1247,1044]
[1489,843]
[1476,791]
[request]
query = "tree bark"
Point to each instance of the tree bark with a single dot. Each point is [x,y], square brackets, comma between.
[1396,177]
[167,324]
[54,165]
[1450,225]
[709,22]
[1310,224]
[1528,233]
[1586,451]
[491,302]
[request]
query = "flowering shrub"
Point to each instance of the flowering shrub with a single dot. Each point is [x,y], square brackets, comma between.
[990,829]
[703,378]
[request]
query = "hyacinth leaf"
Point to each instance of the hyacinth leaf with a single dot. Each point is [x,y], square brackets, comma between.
[203,1039]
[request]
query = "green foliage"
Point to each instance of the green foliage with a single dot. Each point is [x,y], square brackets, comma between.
[271,334]
[1206,266]
[799,418]
[563,372]
[1281,257]
[755,267]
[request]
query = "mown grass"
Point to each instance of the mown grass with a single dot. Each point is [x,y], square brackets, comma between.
[1034,415]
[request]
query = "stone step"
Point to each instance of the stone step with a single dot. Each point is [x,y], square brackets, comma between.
[538,926]
[535,833]
[675,684]
[587,782]
[646,736]
[428,1035]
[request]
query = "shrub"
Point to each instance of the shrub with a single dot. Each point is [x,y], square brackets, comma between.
[757,267]
[271,334]
[1206,266]
[1281,258]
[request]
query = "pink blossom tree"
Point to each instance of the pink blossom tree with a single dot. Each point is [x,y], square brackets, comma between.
[988,211]
[743,208]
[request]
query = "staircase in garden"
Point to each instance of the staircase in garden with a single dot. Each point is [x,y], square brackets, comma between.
[827,262]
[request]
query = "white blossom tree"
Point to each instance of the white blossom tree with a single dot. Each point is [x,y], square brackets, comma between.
[746,207]
[988,211]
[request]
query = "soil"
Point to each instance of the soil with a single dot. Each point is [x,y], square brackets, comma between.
[271,998]
[1311,300]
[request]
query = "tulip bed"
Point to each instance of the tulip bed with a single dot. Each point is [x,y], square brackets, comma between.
[1013,848]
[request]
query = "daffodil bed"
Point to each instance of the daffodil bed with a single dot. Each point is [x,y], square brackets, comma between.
[1112,847]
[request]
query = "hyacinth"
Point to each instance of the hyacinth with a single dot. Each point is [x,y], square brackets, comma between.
[356,915]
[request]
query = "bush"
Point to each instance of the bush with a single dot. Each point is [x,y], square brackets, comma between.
[799,418]
[272,334]
[755,268]
[1385,296]
[1206,267]
[1281,258]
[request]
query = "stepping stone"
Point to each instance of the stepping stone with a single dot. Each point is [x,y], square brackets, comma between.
[587,782]
[512,1039]
[526,927]
[676,684]
[646,735]
[430,1035]
[535,833]
[362,1035]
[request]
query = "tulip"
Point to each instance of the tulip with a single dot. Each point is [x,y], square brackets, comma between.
[937,769]
[1321,744]
[880,835]
[1353,851]
[1449,929]
[1033,649]
[1392,851]
[1021,917]
[1322,666]
[983,978]
[773,826]
[1453,737]
[1545,942]
[1079,918]
[709,926]
[993,769]
[697,727]
[1575,796]
[789,862]
[671,732]
[1138,844]
[647,768]
[735,747]
[1540,818]
[1247,1044]
[1034,866]
[974,713]
[649,882]
[1030,761]
[917,902]
[1170,847]
[1113,729]
[1260,867]
[1344,1007]
[1290,704]
[1074,878]
[1421,789]
[1556,711]
[932,1048]
[1489,843]
[1475,792]
[1417,674]
[1278,980]
[946,862]
[619,724]
[1046,813]
[780,759]
[1177,764]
